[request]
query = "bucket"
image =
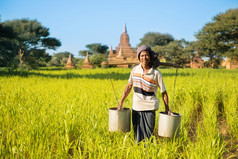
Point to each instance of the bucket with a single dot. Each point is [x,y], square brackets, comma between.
[120,119]
[169,125]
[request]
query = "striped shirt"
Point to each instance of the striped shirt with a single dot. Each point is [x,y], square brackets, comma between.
[145,87]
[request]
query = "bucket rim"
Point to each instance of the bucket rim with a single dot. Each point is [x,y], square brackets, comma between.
[174,114]
[123,109]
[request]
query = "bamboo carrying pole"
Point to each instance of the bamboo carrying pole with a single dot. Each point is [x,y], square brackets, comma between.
[170,64]
[131,63]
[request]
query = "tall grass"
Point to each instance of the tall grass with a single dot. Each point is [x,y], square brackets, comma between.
[64,114]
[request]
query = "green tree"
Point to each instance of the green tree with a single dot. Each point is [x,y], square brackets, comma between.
[175,52]
[60,59]
[31,39]
[219,37]
[95,48]
[153,39]
[84,52]
[62,54]
[97,52]
[97,59]
[7,46]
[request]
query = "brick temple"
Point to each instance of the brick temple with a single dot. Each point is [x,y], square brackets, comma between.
[87,64]
[230,64]
[124,55]
[70,64]
[197,62]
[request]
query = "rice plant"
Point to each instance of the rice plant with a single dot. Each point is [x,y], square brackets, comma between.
[64,114]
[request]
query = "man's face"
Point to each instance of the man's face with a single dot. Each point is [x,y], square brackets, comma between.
[144,57]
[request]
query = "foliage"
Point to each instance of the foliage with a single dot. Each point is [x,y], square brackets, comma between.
[60,59]
[61,55]
[84,52]
[55,61]
[80,62]
[97,59]
[95,48]
[176,51]
[219,37]
[7,46]
[153,39]
[31,40]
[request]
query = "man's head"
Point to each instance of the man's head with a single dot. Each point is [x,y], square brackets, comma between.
[153,57]
[143,48]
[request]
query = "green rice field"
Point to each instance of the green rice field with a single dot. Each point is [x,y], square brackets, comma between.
[64,114]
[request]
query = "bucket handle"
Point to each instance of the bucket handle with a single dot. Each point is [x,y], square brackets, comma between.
[174,88]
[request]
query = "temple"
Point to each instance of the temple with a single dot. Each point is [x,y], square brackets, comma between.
[230,64]
[124,55]
[87,64]
[197,62]
[70,64]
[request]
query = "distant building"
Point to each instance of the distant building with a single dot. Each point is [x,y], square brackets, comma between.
[230,64]
[70,64]
[197,62]
[124,55]
[87,64]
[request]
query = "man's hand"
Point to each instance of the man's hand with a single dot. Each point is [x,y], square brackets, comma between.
[119,107]
[170,113]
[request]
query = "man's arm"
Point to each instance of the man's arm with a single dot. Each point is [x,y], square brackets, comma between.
[124,95]
[166,101]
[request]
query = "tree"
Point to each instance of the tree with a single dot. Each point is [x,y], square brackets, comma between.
[60,59]
[97,51]
[62,54]
[219,37]
[159,49]
[97,59]
[7,45]
[176,51]
[153,39]
[31,39]
[95,48]
[227,28]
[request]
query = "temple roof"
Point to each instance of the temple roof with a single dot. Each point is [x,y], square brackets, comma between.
[69,59]
[125,31]
[87,59]
[124,40]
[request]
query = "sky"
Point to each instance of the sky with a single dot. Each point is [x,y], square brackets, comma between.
[77,23]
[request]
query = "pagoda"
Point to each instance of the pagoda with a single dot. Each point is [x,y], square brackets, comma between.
[87,64]
[124,55]
[196,62]
[230,64]
[70,64]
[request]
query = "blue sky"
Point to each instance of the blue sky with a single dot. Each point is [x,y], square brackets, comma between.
[77,23]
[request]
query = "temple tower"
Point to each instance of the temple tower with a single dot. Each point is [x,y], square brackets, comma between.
[70,64]
[87,64]
[124,55]
[196,62]
[124,44]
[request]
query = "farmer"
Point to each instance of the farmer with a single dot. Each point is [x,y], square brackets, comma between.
[145,79]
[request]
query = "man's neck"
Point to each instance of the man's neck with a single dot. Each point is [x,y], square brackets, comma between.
[145,68]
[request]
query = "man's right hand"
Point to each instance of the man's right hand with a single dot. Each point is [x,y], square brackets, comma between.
[119,107]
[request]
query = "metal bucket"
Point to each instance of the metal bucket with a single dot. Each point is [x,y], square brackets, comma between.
[169,125]
[120,119]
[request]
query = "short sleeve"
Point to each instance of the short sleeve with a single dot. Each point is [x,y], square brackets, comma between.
[130,78]
[160,82]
